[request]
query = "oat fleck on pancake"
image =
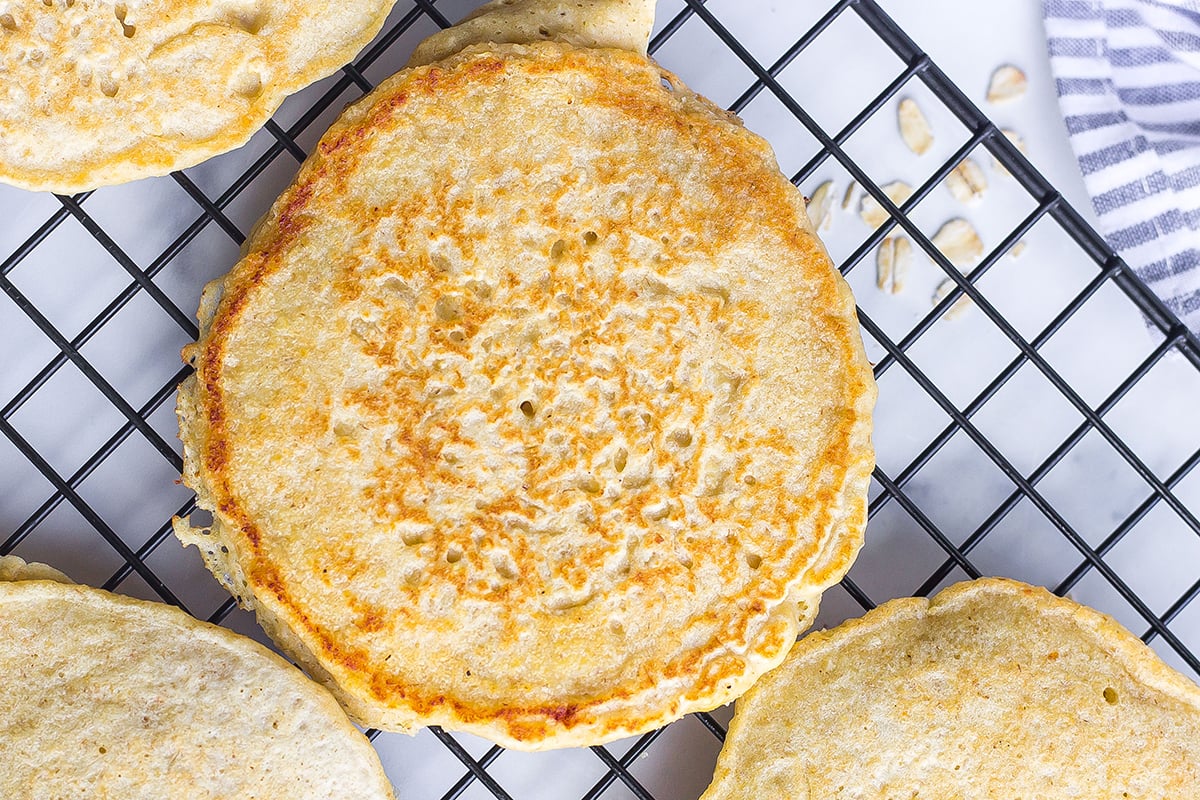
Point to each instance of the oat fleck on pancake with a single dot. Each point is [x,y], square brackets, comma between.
[97,92]
[991,689]
[535,409]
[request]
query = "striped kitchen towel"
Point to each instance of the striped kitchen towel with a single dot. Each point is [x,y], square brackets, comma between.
[1128,79]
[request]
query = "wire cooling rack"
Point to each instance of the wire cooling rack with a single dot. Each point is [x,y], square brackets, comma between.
[1046,434]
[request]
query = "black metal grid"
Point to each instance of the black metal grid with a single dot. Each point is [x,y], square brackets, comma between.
[957,552]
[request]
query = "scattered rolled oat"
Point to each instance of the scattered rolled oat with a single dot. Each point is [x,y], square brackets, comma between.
[967,182]
[884,266]
[1017,249]
[872,213]
[1008,83]
[914,128]
[942,291]
[892,261]
[957,308]
[820,207]
[959,242]
[1017,141]
[902,261]
[848,197]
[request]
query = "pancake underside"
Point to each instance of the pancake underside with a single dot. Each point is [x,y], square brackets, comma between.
[535,408]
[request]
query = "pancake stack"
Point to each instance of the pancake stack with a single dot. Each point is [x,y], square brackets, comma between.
[535,407]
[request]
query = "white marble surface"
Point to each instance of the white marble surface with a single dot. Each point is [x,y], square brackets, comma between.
[70,279]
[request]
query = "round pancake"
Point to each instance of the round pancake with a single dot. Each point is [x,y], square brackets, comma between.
[97,93]
[535,408]
[991,689]
[108,697]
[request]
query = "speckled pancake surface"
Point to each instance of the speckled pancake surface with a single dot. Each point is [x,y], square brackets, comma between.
[104,696]
[97,92]
[535,409]
[991,689]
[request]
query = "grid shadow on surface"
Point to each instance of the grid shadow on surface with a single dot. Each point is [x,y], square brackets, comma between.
[1023,492]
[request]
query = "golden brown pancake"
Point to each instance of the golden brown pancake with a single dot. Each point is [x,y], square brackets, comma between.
[535,408]
[991,689]
[97,93]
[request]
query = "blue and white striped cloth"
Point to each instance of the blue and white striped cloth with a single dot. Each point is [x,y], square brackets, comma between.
[1128,79]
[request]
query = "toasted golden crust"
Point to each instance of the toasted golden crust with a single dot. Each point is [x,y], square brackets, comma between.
[97,92]
[109,697]
[535,408]
[991,689]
